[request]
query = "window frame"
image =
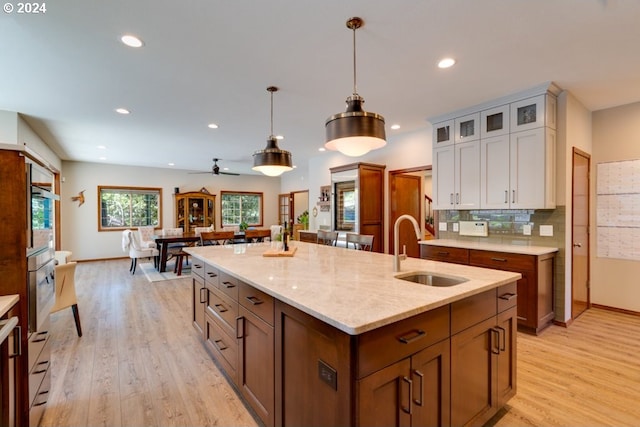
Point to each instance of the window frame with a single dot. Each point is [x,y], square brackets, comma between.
[133,190]
[260,195]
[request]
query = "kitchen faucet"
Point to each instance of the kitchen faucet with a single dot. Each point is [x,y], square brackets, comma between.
[396,229]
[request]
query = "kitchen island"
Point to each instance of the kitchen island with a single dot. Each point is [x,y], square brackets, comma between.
[330,336]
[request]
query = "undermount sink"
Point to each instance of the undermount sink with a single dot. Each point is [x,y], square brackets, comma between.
[429,279]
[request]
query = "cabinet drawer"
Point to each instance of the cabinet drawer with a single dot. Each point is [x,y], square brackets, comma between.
[502,260]
[388,344]
[229,285]
[211,274]
[507,296]
[39,370]
[223,347]
[445,254]
[473,310]
[257,302]
[223,308]
[40,400]
[198,267]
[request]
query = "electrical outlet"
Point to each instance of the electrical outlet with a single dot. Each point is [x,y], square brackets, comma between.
[442,226]
[456,227]
[526,229]
[327,374]
[546,230]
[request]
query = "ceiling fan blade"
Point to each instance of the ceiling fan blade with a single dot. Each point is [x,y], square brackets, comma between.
[193,173]
[229,173]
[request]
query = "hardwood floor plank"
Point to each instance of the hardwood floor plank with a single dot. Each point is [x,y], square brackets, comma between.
[141,363]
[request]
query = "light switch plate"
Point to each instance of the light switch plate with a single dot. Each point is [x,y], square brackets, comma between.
[474,228]
[456,227]
[526,229]
[442,226]
[546,230]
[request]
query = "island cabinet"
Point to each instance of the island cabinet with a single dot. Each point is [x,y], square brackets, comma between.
[483,355]
[535,288]
[199,296]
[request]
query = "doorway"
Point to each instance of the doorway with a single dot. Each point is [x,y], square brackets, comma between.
[581,169]
[291,207]
[407,191]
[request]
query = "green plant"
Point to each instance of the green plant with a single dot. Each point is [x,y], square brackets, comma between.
[244,226]
[303,218]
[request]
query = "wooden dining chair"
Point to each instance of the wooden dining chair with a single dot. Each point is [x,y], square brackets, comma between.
[362,242]
[325,237]
[216,237]
[256,235]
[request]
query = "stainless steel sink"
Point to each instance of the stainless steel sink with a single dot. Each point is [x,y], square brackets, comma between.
[430,279]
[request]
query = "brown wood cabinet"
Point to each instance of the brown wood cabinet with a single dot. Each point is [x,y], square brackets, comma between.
[368,182]
[199,296]
[308,236]
[194,209]
[535,288]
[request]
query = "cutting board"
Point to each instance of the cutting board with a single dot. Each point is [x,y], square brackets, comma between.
[278,253]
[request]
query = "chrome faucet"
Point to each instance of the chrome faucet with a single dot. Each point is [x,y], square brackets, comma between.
[396,229]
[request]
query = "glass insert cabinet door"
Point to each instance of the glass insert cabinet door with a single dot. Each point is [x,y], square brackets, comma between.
[194,210]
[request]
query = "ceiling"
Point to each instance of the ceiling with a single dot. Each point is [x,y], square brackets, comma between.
[207,61]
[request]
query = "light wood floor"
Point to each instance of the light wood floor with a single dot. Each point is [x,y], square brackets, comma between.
[141,363]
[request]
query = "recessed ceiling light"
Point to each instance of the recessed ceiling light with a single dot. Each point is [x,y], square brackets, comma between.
[395,127]
[122,111]
[212,126]
[102,147]
[102,158]
[279,137]
[171,164]
[322,149]
[131,40]
[446,63]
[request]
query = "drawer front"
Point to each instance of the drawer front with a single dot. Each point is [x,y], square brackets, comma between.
[39,403]
[257,302]
[445,254]
[223,308]
[507,296]
[198,267]
[211,275]
[388,344]
[502,260]
[223,347]
[472,310]
[229,285]
[38,371]
[37,341]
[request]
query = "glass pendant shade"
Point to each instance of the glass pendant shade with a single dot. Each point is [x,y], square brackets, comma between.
[272,161]
[355,132]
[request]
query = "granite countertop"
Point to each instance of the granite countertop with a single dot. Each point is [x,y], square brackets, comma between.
[355,291]
[6,302]
[498,247]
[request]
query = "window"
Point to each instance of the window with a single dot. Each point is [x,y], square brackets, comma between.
[127,207]
[241,207]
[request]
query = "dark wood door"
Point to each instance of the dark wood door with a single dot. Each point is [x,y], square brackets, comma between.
[580,234]
[384,397]
[473,374]
[430,375]
[405,198]
[256,367]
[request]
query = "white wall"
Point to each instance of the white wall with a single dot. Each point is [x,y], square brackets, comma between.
[79,224]
[8,127]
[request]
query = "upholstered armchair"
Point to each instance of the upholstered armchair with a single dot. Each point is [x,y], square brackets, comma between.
[131,242]
[146,237]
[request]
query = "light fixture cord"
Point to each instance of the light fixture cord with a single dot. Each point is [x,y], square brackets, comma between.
[271,113]
[355,91]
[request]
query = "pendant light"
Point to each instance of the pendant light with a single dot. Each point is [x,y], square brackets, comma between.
[355,132]
[272,161]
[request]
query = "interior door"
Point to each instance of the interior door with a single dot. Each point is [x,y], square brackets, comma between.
[580,233]
[406,198]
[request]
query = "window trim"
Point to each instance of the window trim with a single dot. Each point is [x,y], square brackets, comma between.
[133,190]
[242,193]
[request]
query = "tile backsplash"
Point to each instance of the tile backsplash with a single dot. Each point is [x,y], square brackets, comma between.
[506,227]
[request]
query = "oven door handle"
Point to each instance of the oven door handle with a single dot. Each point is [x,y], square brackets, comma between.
[6,327]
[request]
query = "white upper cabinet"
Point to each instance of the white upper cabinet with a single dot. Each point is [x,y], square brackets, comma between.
[533,113]
[455,179]
[494,122]
[467,128]
[443,134]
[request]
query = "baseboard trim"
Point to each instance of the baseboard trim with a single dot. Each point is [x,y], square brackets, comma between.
[563,324]
[101,259]
[616,309]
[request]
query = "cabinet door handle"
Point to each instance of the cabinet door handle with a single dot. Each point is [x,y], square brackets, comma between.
[508,296]
[513,196]
[495,349]
[506,196]
[498,259]
[17,343]
[457,198]
[420,400]
[502,334]
[239,327]
[228,285]
[203,299]
[220,345]
[221,308]
[451,198]
[443,253]
[254,300]
[196,266]
[212,275]
[416,335]
[409,383]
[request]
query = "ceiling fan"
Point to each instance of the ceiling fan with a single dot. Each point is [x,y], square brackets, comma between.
[215,169]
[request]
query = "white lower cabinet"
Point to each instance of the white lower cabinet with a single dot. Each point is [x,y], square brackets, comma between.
[455,179]
[518,170]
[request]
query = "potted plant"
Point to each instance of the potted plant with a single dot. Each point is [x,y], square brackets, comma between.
[303,219]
